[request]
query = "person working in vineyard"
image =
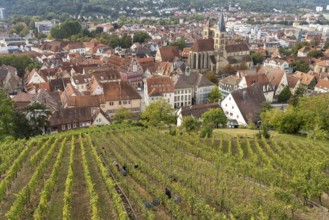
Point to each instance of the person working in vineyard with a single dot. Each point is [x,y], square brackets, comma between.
[117,165]
[124,170]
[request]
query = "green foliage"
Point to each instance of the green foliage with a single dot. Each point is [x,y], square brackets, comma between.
[315,53]
[300,92]
[191,124]
[326,45]
[206,131]
[141,37]
[285,52]
[243,66]
[66,30]
[215,95]
[257,58]
[300,65]
[158,113]
[179,43]
[121,115]
[115,41]
[310,114]
[37,115]
[21,63]
[7,115]
[299,45]
[211,76]
[284,95]
[20,28]
[215,118]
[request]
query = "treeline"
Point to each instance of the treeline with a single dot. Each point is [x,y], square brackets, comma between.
[21,63]
[305,115]
[112,8]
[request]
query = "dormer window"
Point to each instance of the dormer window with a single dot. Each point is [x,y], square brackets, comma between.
[76,81]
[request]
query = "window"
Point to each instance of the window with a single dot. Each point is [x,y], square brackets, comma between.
[111,103]
[125,102]
[102,106]
[63,127]
[119,102]
[232,107]
[129,102]
[74,125]
[69,126]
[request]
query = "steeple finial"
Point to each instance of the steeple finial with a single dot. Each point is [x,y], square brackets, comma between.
[221,23]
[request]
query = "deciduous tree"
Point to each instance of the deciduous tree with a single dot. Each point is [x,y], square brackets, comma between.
[158,113]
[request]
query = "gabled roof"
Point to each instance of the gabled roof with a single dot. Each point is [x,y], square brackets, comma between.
[158,85]
[249,101]
[122,90]
[197,110]
[85,101]
[194,79]
[304,78]
[168,54]
[292,81]
[323,84]
[71,115]
[202,45]
[233,48]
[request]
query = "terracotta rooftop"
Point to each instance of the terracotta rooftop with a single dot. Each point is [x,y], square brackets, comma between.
[158,85]
[202,45]
[168,54]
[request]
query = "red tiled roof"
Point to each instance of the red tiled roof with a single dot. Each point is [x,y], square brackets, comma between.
[202,45]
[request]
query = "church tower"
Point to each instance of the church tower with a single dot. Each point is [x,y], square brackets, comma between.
[206,30]
[220,36]
[219,43]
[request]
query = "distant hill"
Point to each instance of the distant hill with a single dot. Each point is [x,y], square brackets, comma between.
[112,7]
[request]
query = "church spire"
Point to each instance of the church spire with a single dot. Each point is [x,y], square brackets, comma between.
[221,23]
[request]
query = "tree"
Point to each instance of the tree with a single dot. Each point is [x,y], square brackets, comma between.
[179,43]
[315,53]
[37,114]
[229,69]
[215,95]
[66,30]
[141,37]
[326,45]
[6,115]
[158,113]
[191,124]
[215,118]
[121,115]
[284,95]
[300,65]
[212,77]
[243,66]
[257,58]
[21,63]
[300,91]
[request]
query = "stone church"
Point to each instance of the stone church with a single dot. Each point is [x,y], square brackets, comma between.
[214,53]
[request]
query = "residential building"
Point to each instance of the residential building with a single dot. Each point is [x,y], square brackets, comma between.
[158,87]
[191,88]
[244,105]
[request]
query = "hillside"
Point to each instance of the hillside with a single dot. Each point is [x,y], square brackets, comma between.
[73,175]
[112,7]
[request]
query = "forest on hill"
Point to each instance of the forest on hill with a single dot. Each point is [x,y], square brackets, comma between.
[112,8]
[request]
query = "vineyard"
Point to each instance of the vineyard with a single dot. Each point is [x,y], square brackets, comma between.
[78,175]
